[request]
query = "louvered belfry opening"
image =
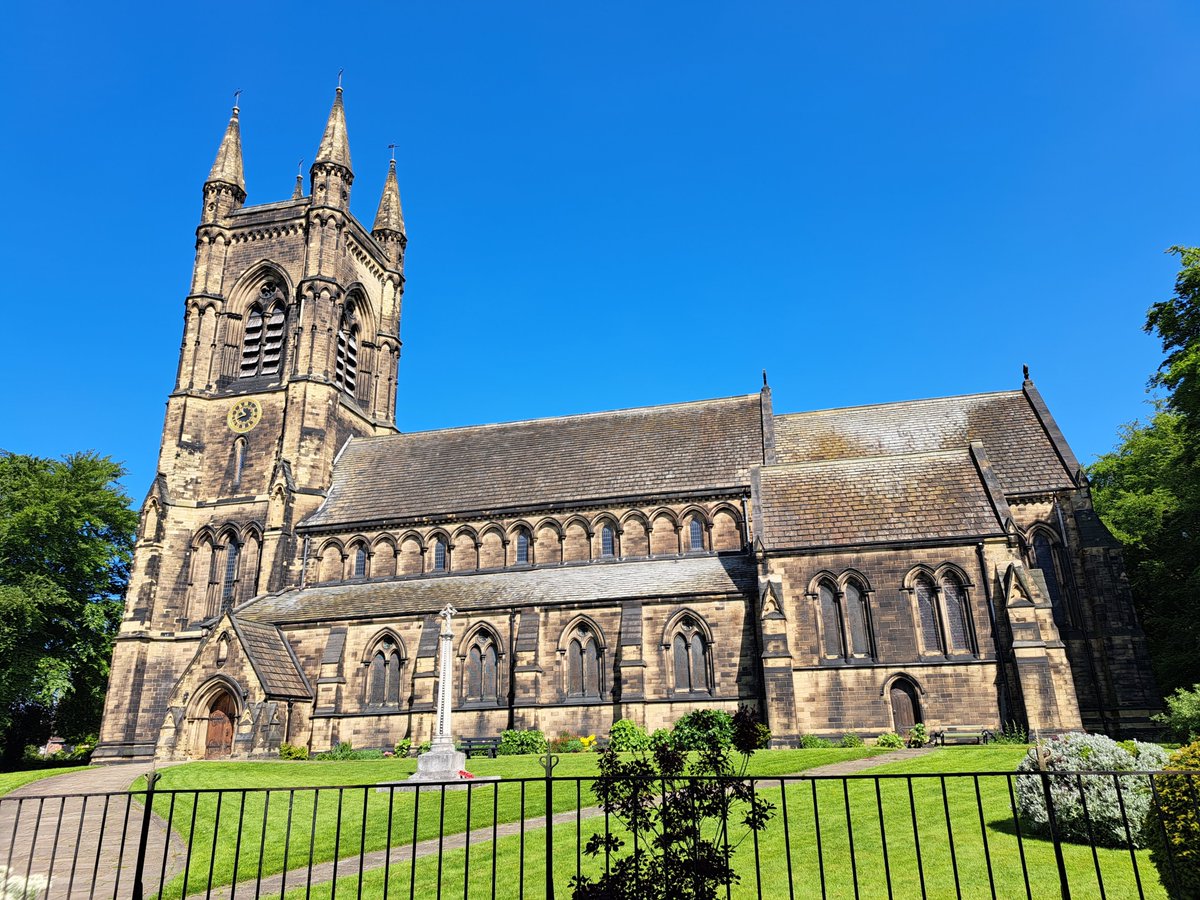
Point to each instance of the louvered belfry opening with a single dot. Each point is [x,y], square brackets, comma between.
[262,343]
[347,356]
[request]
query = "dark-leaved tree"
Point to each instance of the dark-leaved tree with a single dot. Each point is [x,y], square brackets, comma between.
[685,820]
[1148,490]
[66,540]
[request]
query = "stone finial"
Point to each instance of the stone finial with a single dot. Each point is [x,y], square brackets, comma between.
[390,217]
[335,143]
[227,167]
[298,190]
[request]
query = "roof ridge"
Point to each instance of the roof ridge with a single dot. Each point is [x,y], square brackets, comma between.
[570,416]
[833,409]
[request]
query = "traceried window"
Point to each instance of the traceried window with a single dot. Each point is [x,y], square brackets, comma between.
[1045,557]
[926,595]
[583,664]
[383,674]
[831,620]
[346,371]
[262,342]
[480,681]
[689,652]
[958,619]
[608,542]
[229,578]
[696,535]
[859,617]
[360,561]
[522,557]
[439,555]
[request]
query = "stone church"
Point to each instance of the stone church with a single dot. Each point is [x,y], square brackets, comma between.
[846,570]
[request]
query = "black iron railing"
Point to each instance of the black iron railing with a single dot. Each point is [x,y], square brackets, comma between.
[930,835]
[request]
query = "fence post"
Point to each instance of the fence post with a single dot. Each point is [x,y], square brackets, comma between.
[1064,886]
[549,761]
[144,836]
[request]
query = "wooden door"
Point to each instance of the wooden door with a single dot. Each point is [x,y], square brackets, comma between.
[219,740]
[904,706]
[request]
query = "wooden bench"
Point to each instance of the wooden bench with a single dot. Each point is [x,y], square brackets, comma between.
[483,746]
[963,734]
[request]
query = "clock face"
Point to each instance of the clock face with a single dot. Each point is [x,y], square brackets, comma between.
[244,415]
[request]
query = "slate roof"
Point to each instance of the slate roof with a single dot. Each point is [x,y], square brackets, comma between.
[272,659]
[1024,455]
[650,451]
[687,576]
[875,500]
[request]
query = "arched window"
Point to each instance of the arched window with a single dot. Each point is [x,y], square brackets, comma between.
[690,657]
[958,617]
[439,555]
[831,621]
[482,667]
[239,460]
[522,558]
[229,578]
[346,371]
[1046,557]
[859,616]
[696,535]
[383,674]
[583,664]
[608,542]
[360,561]
[926,594]
[262,342]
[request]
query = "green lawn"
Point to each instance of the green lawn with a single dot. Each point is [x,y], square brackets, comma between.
[985,854]
[332,822]
[10,781]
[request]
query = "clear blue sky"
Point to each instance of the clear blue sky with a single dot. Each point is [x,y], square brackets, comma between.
[621,204]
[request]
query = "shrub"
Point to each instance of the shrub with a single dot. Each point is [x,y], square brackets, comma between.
[344,751]
[704,728]
[812,742]
[424,747]
[574,745]
[293,751]
[889,740]
[1182,718]
[1076,752]
[662,737]
[516,742]
[918,735]
[403,747]
[1012,733]
[849,741]
[1173,835]
[627,736]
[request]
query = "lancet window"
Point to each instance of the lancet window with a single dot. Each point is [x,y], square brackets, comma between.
[689,652]
[696,535]
[1046,557]
[583,664]
[383,674]
[927,615]
[481,675]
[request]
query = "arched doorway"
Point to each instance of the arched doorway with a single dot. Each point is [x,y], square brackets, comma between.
[906,708]
[218,743]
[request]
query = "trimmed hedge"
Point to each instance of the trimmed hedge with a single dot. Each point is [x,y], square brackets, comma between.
[1173,834]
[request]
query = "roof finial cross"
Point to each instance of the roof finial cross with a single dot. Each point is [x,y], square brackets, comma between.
[392,147]
[300,168]
[237,96]
[340,71]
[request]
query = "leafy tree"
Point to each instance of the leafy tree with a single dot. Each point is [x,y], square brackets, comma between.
[66,540]
[1147,491]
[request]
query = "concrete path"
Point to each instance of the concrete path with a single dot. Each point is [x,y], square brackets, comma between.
[850,767]
[80,832]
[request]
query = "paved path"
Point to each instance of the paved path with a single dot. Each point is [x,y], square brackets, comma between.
[852,766]
[80,830]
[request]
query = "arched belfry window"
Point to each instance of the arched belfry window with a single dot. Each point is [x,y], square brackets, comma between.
[927,615]
[262,342]
[383,674]
[583,664]
[689,654]
[346,371]
[481,683]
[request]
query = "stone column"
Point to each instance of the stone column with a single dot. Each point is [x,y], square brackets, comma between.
[443,762]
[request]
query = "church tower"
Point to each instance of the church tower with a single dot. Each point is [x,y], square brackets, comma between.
[290,347]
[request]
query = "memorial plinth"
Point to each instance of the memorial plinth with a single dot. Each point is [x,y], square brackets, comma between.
[442,762]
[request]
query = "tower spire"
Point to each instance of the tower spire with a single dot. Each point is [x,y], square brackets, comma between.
[389,216]
[335,144]
[227,167]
